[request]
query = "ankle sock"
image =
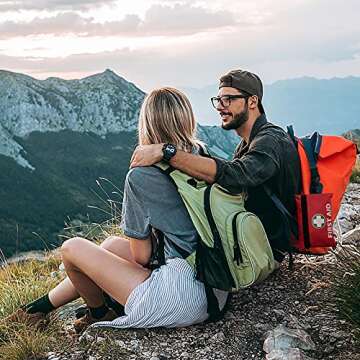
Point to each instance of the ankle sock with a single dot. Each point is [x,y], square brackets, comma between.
[99,312]
[113,304]
[42,305]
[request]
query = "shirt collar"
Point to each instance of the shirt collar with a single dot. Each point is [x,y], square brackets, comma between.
[258,124]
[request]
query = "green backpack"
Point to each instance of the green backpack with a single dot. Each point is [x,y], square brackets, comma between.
[233,251]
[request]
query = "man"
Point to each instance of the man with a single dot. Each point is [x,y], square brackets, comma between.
[266,156]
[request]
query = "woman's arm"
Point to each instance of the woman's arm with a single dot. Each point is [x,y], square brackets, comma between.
[141,250]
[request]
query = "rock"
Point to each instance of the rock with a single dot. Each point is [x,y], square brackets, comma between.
[55,274]
[41,256]
[349,214]
[352,237]
[135,344]
[120,343]
[163,357]
[218,337]
[280,314]
[86,337]
[229,316]
[262,328]
[282,338]
[328,349]
[346,225]
[288,354]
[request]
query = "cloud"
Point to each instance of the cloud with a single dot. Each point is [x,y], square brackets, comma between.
[18,5]
[159,20]
[182,18]
[68,23]
[194,67]
[290,41]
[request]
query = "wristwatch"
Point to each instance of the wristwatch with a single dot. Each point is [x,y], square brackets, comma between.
[169,150]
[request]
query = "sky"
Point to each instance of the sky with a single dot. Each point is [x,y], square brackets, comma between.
[179,42]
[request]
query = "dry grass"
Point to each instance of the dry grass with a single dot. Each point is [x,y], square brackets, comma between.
[23,282]
[348,286]
[19,284]
[355,176]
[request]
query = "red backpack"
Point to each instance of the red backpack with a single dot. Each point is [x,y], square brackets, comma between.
[326,164]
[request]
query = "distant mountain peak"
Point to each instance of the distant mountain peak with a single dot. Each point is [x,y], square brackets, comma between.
[107,74]
[102,103]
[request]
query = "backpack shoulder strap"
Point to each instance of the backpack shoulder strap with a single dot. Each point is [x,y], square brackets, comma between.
[291,222]
[203,151]
[290,131]
[167,169]
[312,149]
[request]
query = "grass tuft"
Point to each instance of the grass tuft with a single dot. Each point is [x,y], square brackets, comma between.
[27,343]
[355,176]
[21,283]
[348,287]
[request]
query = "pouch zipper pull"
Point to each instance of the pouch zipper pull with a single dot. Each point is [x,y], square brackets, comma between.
[237,252]
[237,255]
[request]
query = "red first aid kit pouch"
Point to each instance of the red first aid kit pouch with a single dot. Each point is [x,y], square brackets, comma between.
[315,225]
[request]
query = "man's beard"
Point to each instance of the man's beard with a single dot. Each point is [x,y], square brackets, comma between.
[238,120]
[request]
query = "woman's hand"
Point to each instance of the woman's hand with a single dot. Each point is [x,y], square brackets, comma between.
[146,155]
[141,250]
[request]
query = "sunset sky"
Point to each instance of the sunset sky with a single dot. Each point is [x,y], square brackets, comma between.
[180,43]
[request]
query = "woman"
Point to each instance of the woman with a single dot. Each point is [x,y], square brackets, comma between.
[168,296]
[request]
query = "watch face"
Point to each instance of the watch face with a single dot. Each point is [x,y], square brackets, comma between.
[169,151]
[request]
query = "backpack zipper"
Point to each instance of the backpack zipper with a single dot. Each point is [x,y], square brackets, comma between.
[237,252]
[210,218]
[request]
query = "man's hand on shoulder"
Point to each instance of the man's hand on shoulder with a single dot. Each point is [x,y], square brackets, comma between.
[146,155]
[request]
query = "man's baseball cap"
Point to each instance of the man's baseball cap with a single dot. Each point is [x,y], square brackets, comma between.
[244,81]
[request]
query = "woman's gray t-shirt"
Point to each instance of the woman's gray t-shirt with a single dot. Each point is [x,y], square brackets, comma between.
[151,201]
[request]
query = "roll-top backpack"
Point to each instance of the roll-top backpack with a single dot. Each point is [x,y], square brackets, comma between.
[326,164]
[233,251]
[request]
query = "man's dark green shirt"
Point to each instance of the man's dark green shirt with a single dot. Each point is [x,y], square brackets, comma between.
[269,158]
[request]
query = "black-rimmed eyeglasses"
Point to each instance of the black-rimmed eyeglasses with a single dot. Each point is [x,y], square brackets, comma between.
[225,100]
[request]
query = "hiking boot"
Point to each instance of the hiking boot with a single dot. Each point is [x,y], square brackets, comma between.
[83,322]
[37,319]
[81,311]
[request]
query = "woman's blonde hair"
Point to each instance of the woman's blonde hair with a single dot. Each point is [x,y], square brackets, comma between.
[166,116]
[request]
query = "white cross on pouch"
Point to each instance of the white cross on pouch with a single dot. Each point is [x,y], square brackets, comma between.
[318,221]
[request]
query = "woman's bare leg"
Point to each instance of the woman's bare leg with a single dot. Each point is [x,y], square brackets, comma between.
[65,292]
[92,269]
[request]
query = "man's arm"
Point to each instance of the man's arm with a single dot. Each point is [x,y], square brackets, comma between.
[200,167]
[258,165]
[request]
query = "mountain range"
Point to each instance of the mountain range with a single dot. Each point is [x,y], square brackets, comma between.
[328,106]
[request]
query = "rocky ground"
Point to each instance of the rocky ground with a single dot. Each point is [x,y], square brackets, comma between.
[302,300]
